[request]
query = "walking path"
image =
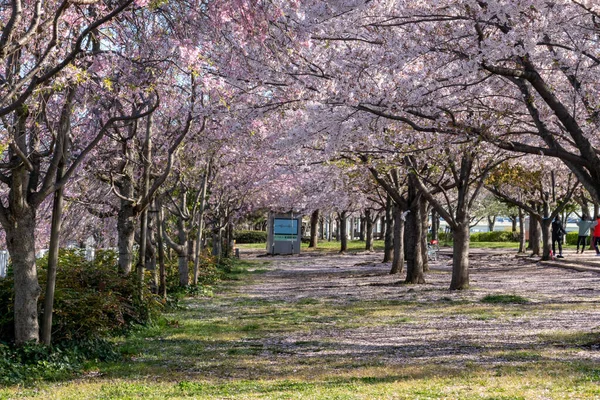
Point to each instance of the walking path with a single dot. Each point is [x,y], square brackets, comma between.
[441,326]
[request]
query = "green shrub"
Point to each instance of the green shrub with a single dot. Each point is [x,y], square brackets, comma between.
[250,236]
[208,274]
[32,361]
[91,299]
[495,236]
[572,238]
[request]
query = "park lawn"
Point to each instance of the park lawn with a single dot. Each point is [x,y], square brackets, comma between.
[232,346]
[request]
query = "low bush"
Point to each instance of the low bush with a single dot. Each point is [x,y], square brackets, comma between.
[250,236]
[32,362]
[209,274]
[495,236]
[572,238]
[91,300]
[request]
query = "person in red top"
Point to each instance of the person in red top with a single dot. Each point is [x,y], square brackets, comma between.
[597,236]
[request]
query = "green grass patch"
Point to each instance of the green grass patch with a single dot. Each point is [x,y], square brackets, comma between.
[504,299]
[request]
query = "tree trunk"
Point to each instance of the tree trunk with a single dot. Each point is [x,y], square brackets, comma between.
[126,236]
[162,286]
[534,235]
[201,212]
[424,205]
[521,231]
[491,219]
[147,150]
[20,242]
[182,255]
[398,260]
[321,228]
[216,239]
[513,220]
[388,251]
[330,229]
[413,237]
[314,227]
[229,238]
[57,209]
[595,216]
[343,227]
[435,225]
[460,256]
[369,231]
[151,241]
[546,224]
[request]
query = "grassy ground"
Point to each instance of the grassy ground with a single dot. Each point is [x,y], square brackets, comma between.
[233,346]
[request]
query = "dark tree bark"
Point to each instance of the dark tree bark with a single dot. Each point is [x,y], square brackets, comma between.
[369,230]
[435,225]
[491,220]
[424,224]
[522,243]
[388,251]
[513,221]
[314,227]
[413,236]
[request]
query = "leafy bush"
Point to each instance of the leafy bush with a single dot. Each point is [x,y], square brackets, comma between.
[35,361]
[208,275]
[495,236]
[572,238]
[250,236]
[91,300]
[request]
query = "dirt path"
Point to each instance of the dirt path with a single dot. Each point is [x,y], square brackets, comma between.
[430,324]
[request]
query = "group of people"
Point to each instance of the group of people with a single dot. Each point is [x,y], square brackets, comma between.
[584,224]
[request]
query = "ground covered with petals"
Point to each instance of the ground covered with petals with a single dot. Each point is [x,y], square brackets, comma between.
[323,325]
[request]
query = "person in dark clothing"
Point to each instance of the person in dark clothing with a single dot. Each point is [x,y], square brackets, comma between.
[557,236]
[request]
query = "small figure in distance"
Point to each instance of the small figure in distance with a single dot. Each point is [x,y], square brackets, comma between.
[557,236]
[597,236]
[584,225]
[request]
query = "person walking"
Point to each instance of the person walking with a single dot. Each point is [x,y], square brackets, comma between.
[597,236]
[557,236]
[584,225]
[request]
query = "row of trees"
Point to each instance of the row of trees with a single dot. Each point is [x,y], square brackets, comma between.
[156,121]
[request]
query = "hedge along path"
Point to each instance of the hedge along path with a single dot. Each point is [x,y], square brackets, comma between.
[330,326]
